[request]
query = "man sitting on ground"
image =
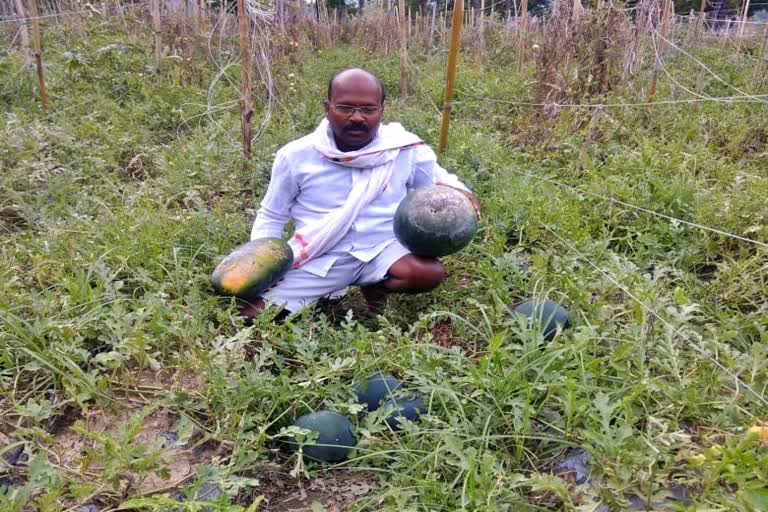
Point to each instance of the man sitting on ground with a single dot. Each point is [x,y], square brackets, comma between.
[342,185]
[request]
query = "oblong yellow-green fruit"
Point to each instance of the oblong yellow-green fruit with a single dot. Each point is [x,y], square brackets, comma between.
[252,268]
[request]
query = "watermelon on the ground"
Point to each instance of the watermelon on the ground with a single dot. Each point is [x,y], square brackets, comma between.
[375,389]
[252,268]
[546,314]
[335,439]
[409,407]
[435,221]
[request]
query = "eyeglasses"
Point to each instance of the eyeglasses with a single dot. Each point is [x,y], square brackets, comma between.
[348,110]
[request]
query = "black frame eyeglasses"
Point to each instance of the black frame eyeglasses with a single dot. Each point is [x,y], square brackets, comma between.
[348,110]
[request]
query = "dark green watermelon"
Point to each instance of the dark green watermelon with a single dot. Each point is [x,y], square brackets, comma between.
[334,433]
[408,407]
[545,314]
[252,268]
[375,389]
[435,221]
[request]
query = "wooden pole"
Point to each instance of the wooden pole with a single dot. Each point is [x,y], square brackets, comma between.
[481,43]
[403,49]
[453,56]
[280,12]
[521,35]
[408,24]
[700,24]
[757,77]
[432,27]
[157,27]
[667,7]
[743,23]
[24,33]
[444,25]
[246,110]
[33,13]
[524,16]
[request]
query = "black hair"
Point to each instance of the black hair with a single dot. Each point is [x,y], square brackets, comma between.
[381,82]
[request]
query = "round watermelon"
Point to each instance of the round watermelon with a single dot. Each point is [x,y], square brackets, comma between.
[544,314]
[375,389]
[409,407]
[335,439]
[252,268]
[435,221]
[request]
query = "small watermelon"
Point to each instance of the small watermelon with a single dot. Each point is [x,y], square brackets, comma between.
[252,268]
[335,438]
[546,314]
[435,221]
[409,407]
[375,390]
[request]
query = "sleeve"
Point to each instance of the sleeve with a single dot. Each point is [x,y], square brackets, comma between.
[427,171]
[275,208]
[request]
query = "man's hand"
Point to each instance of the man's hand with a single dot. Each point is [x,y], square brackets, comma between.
[474,201]
[468,195]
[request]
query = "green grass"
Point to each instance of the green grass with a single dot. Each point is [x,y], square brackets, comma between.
[116,206]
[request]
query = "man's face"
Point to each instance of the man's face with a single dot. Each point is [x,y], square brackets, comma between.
[354,128]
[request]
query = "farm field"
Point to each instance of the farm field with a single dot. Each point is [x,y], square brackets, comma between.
[127,384]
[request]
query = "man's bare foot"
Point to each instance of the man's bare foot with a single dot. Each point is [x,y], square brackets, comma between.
[250,310]
[375,297]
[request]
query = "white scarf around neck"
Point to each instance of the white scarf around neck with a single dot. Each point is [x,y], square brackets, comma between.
[371,168]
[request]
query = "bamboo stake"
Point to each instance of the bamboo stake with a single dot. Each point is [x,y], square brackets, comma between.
[195,16]
[246,110]
[700,24]
[432,26]
[522,35]
[24,33]
[157,27]
[700,80]
[38,54]
[741,28]
[481,44]
[403,49]
[664,14]
[453,56]
[444,25]
[408,22]
[280,11]
[761,64]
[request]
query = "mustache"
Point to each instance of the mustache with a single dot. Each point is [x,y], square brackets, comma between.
[356,127]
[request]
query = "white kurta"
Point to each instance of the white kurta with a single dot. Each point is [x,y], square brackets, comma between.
[305,186]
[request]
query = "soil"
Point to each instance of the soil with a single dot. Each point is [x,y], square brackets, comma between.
[442,334]
[70,449]
[336,491]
